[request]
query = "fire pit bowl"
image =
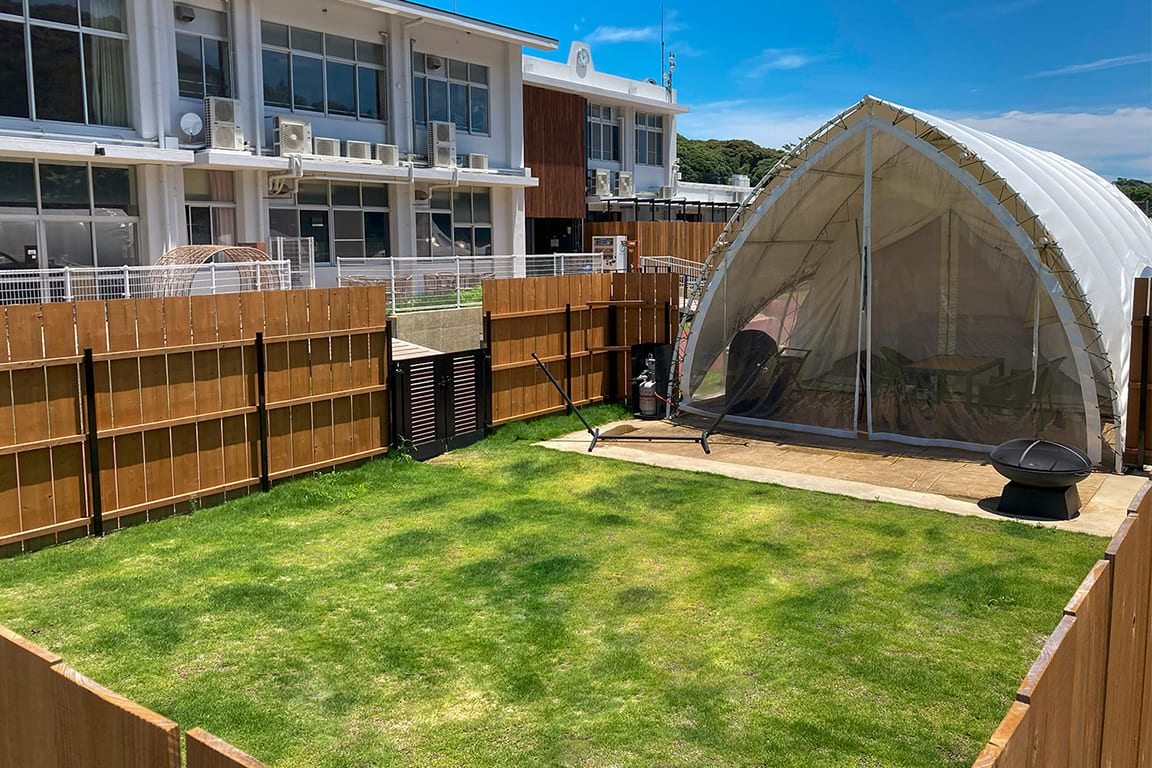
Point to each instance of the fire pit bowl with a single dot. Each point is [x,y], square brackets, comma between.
[1042,477]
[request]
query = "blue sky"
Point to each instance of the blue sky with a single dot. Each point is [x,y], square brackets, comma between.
[1071,76]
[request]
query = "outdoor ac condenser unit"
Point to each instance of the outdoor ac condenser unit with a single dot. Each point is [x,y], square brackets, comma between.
[624,184]
[602,182]
[667,193]
[326,147]
[293,137]
[477,162]
[441,144]
[358,150]
[221,128]
[388,154]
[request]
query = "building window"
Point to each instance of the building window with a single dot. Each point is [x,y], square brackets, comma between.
[450,91]
[65,61]
[73,214]
[344,219]
[307,71]
[603,133]
[210,207]
[203,60]
[458,222]
[649,139]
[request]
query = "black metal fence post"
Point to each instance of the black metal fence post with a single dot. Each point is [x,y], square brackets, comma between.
[487,394]
[390,381]
[262,410]
[93,444]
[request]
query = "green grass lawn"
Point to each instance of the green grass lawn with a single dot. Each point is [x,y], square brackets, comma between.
[515,606]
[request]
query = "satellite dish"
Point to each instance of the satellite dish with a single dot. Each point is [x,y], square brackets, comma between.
[191,123]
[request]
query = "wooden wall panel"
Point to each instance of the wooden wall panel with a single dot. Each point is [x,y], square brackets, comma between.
[688,240]
[554,150]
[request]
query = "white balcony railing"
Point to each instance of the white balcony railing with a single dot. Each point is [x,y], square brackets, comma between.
[30,286]
[424,283]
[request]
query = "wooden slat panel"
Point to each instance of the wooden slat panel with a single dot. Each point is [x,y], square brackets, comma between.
[554,150]
[1092,606]
[207,751]
[341,358]
[1128,639]
[378,368]
[27,734]
[299,381]
[97,728]
[320,373]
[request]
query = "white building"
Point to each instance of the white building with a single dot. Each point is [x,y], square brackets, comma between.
[629,147]
[97,165]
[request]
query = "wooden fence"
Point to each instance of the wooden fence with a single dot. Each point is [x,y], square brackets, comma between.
[688,240]
[51,716]
[168,410]
[581,326]
[1138,435]
[1087,702]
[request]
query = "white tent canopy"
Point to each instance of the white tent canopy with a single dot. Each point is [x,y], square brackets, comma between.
[921,281]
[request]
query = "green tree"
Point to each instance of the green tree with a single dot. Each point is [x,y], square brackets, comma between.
[1139,192]
[714,161]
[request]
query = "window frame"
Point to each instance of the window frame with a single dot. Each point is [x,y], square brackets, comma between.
[42,216]
[609,125]
[325,59]
[82,32]
[456,223]
[652,126]
[229,86]
[330,208]
[444,75]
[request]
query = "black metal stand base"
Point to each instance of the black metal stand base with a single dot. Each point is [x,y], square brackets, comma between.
[1030,501]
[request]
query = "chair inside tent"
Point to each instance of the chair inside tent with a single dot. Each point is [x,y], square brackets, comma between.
[902,288]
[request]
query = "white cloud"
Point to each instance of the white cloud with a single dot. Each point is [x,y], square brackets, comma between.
[623,34]
[761,123]
[1093,66]
[634,34]
[772,59]
[1112,144]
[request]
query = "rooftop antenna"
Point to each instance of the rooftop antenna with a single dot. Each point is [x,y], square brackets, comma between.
[661,42]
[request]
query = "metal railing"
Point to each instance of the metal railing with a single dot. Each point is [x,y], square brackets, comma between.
[422,283]
[563,264]
[688,271]
[32,286]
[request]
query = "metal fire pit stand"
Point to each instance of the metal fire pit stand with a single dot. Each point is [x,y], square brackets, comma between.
[597,437]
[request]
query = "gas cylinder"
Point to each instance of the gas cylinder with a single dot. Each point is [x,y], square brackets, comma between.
[647,397]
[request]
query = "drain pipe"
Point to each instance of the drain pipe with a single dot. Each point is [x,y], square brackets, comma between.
[295,173]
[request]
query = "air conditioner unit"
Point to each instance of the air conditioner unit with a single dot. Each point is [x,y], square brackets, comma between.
[441,144]
[222,130]
[293,137]
[667,193]
[476,162]
[325,147]
[358,150]
[388,154]
[624,184]
[602,182]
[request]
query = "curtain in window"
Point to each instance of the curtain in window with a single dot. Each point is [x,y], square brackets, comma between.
[107,78]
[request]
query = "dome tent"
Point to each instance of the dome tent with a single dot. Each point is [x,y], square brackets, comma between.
[926,283]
